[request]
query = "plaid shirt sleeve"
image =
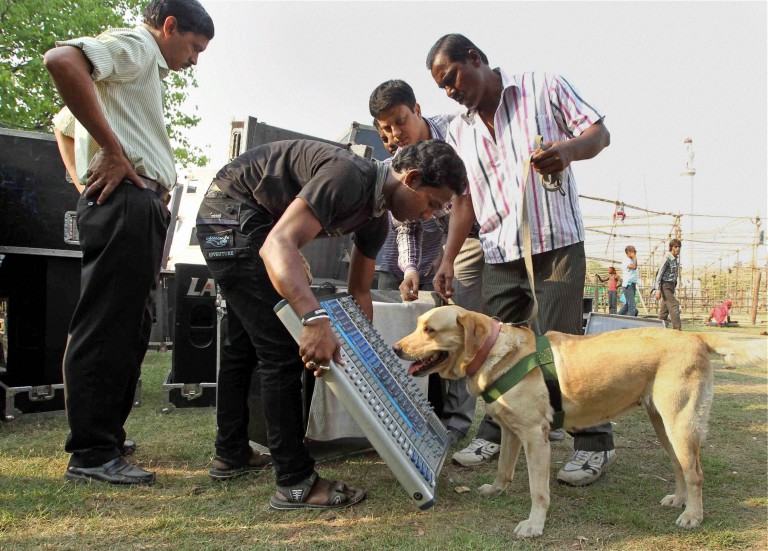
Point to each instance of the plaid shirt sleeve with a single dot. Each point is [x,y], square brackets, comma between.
[408,245]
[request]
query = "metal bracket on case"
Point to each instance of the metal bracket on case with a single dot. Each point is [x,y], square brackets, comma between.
[190,391]
[71,235]
[39,393]
[43,393]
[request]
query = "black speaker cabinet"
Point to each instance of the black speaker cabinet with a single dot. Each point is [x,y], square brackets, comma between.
[38,295]
[34,194]
[194,341]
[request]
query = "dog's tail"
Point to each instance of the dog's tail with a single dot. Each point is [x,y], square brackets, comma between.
[737,352]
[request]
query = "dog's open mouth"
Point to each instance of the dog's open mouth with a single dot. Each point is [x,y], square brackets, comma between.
[421,367]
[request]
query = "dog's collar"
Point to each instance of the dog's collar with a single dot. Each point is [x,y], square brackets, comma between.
[482,354]
[542,358]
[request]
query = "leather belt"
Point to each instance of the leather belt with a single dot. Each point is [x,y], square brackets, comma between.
[158,188]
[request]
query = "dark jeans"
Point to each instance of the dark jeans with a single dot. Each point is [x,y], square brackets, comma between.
[559,292]
[669,304]
[122,243]
[250,297]
[629,308]
[612,301]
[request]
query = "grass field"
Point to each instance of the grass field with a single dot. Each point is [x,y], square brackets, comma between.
[185,510]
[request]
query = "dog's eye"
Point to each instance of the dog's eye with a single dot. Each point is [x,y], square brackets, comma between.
[428,330]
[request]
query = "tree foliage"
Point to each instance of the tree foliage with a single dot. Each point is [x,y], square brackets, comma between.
[28,96]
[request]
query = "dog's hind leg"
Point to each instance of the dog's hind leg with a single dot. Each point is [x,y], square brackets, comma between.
[685,412]
[679,497]
[685,438]
[505,472]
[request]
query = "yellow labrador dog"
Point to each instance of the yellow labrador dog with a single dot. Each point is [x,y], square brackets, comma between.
[600,376]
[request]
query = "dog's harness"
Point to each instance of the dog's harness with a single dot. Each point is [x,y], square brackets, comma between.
[542,358]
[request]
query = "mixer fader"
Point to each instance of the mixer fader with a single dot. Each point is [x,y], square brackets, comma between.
[385,402]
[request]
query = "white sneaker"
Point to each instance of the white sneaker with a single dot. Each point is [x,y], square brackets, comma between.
[585,467]
[477,452]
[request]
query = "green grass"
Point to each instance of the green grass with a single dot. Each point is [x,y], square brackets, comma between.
[185,510]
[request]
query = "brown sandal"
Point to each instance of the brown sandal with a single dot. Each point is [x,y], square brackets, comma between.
[224,469]
[295,497]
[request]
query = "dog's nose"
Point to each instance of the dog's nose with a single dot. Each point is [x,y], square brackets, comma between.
[396,349]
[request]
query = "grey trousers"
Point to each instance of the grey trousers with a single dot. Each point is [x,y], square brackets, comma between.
[669,304]
[559,291]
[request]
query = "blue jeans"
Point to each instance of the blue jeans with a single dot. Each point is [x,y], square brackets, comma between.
[629,308]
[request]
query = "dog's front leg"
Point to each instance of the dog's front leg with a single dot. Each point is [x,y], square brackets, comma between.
[537,456]
[510,450]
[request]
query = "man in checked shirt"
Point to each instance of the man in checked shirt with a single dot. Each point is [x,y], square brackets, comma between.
[415,247]
[494,138]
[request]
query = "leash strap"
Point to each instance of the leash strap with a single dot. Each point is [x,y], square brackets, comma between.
[551,183]
[526,231]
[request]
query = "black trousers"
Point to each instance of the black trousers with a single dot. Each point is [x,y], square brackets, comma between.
[251,299]
[122,243]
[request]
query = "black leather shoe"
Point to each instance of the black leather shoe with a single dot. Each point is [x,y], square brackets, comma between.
[129,448]
[117,471]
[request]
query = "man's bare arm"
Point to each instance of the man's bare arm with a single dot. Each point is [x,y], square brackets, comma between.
[67,151]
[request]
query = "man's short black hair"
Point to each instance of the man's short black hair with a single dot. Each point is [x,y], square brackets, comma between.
[437,162]
[456,47]
[389,94]
[674,243]
[190,16]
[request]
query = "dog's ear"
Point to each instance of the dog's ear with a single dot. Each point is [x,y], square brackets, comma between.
[476,330]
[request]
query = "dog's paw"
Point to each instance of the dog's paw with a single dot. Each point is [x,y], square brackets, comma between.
[688,520]
[489,490]
[529,529]
[673,500]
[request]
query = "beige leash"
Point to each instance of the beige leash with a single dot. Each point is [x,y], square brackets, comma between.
[551,183]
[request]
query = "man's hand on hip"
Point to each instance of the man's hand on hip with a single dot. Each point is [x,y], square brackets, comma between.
[108,170]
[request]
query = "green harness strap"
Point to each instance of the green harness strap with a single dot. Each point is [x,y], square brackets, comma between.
[542,358]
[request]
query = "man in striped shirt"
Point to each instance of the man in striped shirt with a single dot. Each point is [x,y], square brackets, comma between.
[495,137]
[112,85]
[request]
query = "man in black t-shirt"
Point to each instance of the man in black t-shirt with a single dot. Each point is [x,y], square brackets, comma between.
[259,211]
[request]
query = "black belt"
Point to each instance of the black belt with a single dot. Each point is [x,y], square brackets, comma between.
[158,188]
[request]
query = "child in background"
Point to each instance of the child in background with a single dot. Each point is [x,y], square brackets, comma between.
[629,275]
[721,314]
[614,281]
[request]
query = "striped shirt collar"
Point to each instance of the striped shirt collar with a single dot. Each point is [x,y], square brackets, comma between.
[155,47]
[506,82]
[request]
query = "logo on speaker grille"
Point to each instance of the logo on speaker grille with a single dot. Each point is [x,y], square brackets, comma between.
[217,241]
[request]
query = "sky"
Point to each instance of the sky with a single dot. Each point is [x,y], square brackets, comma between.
[661,72]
